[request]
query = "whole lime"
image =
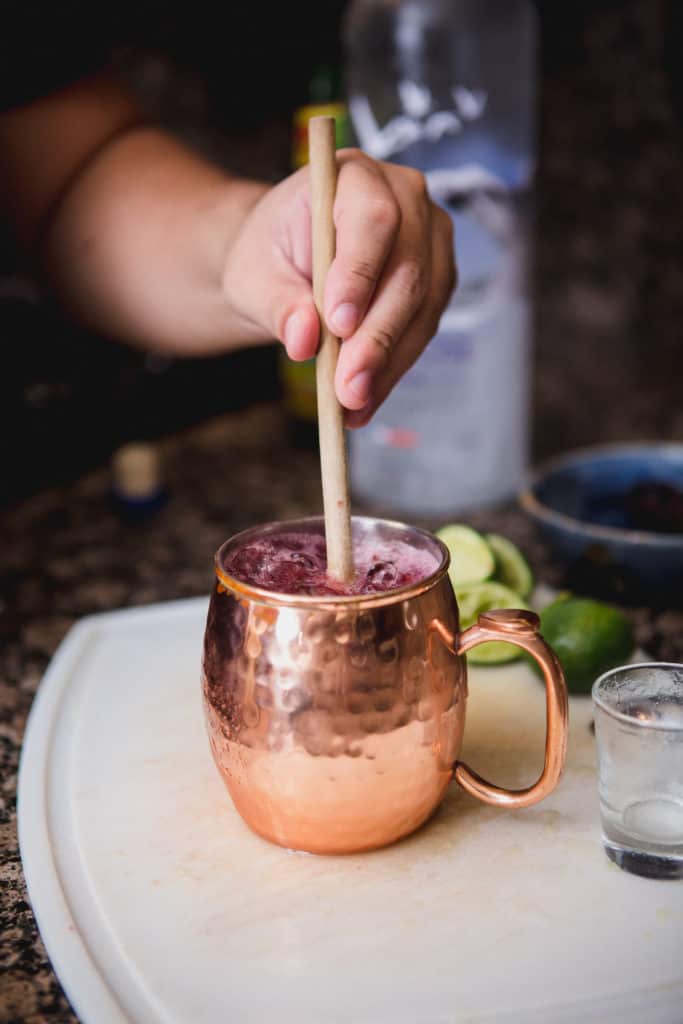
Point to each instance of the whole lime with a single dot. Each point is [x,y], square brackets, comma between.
[588,637]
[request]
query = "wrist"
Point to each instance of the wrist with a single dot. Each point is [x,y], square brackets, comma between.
[139,243]
[236,269]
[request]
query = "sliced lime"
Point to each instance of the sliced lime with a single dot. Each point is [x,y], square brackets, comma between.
[471,558]
[512,568]
[483,597]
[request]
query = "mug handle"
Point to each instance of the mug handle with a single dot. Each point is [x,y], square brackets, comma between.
[520,628]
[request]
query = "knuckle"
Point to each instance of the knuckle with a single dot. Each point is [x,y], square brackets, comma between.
[364,269]
[383,341]
[384,212]
[416,181]
[412,279]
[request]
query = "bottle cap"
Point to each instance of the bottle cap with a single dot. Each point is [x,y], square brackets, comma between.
[136,470]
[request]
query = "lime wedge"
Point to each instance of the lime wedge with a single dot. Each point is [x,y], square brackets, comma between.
[512,568]
[483,597]
[471,558]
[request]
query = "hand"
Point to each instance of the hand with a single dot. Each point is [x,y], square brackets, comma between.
[392,276]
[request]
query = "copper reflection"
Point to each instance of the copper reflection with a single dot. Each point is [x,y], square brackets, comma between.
[336,723]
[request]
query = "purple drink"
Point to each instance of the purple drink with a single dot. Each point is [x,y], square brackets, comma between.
[295,562]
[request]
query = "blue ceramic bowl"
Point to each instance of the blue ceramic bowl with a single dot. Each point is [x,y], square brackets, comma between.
[580,502]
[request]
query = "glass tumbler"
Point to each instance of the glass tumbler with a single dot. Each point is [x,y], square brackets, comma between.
[639,732]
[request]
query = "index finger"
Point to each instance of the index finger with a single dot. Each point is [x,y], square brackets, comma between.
[367,218]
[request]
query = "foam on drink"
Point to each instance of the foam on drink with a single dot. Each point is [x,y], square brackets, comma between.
[296,563]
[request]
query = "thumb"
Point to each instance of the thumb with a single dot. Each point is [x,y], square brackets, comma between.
[294,317]
[274,299]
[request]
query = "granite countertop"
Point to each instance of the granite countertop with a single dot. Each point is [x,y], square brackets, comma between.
[70,554]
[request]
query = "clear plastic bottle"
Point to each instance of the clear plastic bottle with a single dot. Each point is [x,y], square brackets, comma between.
[448,86]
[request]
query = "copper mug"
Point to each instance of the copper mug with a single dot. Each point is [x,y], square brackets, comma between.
[336,723]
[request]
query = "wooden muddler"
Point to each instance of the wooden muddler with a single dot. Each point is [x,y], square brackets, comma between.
[333,464]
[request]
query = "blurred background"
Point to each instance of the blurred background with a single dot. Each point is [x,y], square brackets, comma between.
[599,135]
[607,274]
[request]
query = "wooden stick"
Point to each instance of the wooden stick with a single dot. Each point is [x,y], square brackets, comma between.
[333,465]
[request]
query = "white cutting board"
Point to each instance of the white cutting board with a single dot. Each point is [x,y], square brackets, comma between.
[157,904]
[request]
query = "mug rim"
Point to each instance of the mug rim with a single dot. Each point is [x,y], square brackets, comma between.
[280,599]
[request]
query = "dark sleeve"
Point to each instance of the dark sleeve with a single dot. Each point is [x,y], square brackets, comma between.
[46,46]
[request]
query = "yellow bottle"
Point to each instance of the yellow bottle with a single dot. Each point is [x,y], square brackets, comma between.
[298,379]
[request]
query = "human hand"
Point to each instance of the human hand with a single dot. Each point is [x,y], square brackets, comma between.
[391,278]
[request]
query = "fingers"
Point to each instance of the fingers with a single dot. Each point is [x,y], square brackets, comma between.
[402,318]
[367,216]
[388,284]
[399,294]
[419,332]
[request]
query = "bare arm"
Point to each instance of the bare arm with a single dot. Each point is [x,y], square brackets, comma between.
[130,226]
[148,242]
[45,144]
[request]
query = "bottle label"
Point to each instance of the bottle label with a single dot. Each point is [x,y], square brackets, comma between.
[453,432]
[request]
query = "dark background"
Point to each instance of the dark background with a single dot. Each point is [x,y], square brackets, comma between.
[609,282]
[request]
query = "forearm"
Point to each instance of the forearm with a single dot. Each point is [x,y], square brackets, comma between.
[154,245]
[44,146]
[137,244]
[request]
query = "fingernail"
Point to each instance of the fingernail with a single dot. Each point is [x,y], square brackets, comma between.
[360,386]
[292,333]
[344,318]
[356,417]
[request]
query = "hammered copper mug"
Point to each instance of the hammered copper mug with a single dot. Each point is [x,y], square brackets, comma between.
[336,723]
